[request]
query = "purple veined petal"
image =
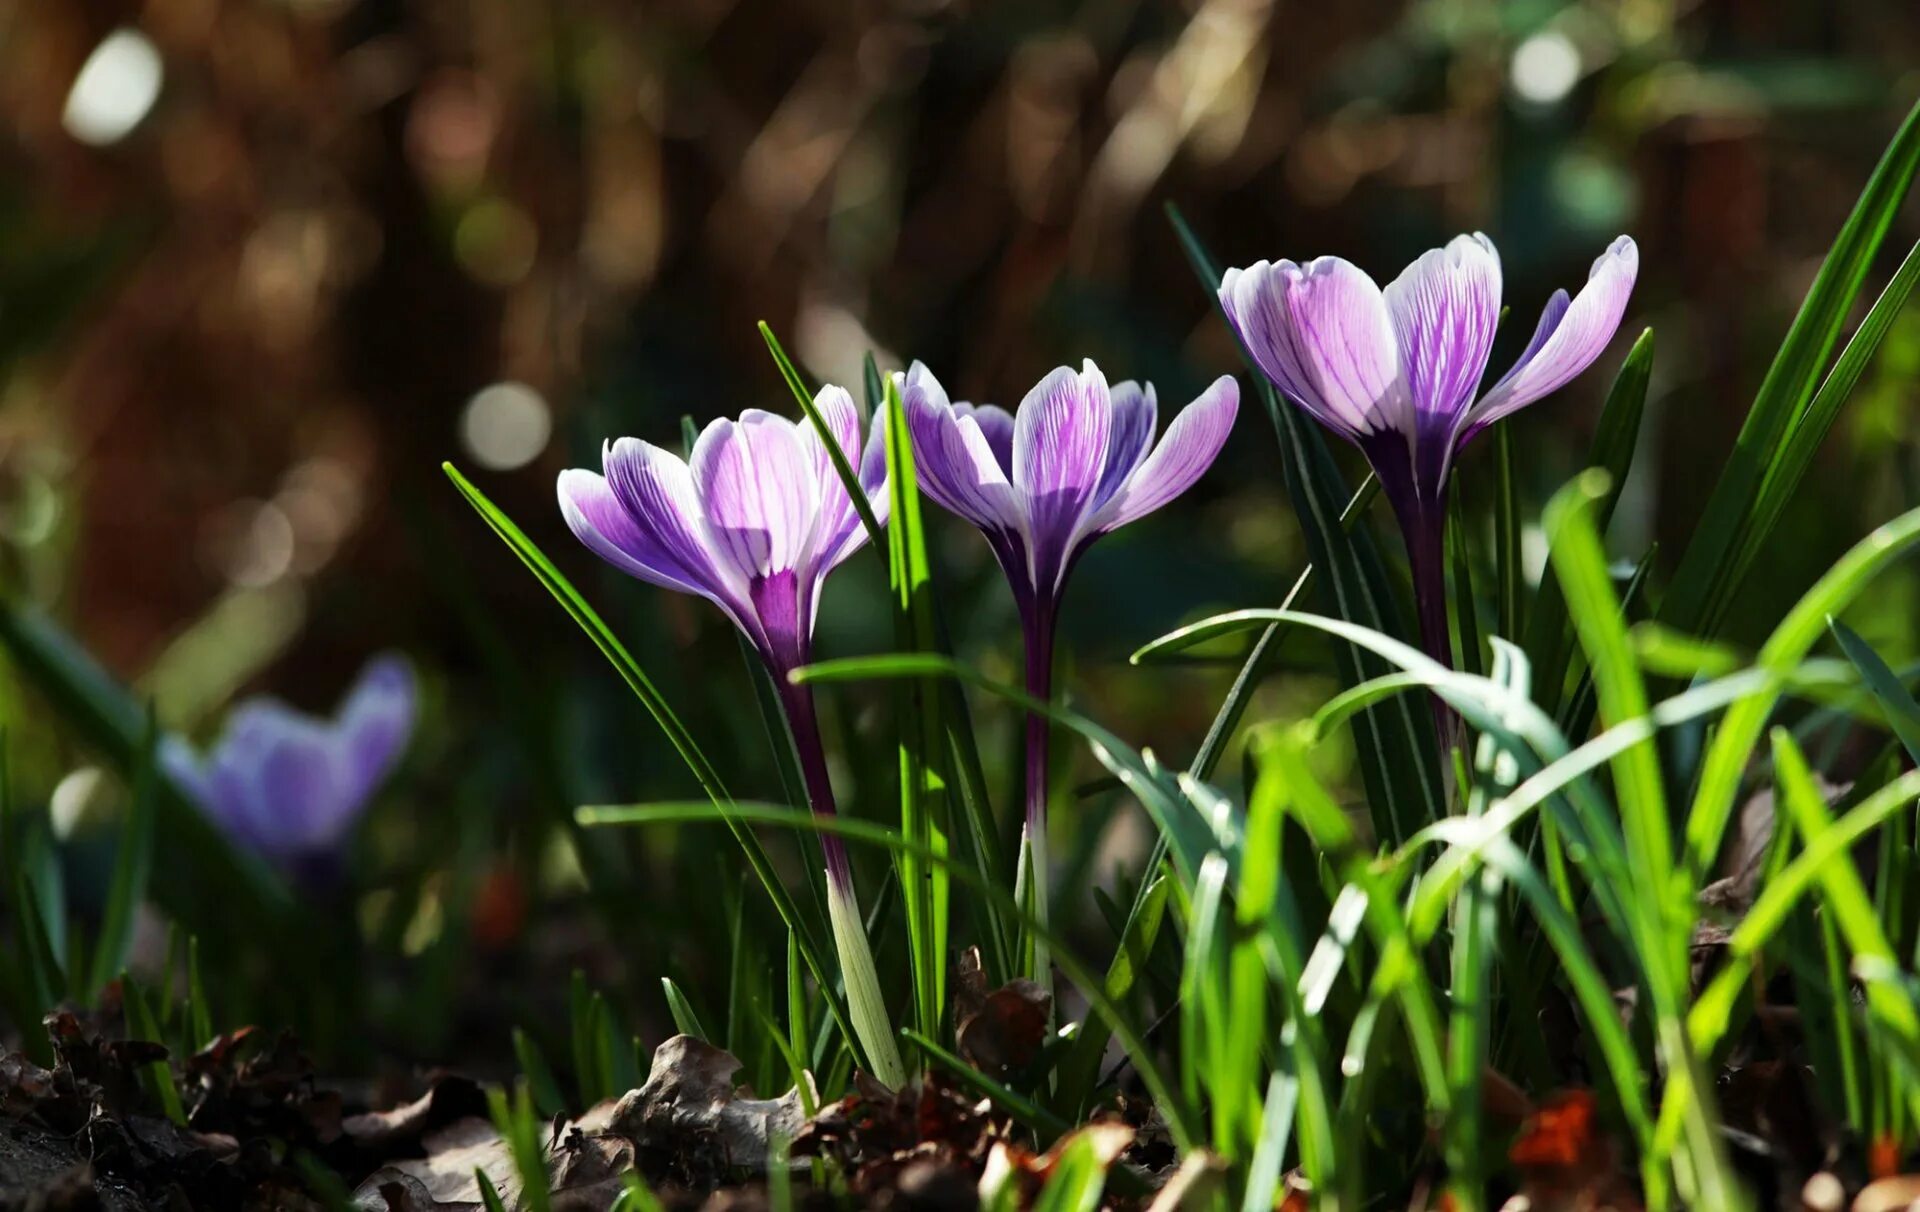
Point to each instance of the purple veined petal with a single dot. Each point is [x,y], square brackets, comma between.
[870,459]
[757,491]
[873,468]
[1321,332]
[1570,335]
[836,521]
[955,460]
[1190,445]
[1136,413]
[1060,435]
[996,426]
[1445,307]
[375,723]
[641,517]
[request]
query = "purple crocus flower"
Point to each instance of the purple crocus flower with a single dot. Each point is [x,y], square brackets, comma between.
[1396,372]
[290,786]
[754,522]
[1075,461]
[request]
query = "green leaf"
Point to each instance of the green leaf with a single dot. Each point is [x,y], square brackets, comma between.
[1739,733]
[156,1077]
[1810,428]
[1081,1068]
[1549,641]
[1851,908]
[1903,713]
[1022,1109]
[585,1014]
[685,1021]
[1509,576]
[133,861]
[537,1075]
[515,1121]
[1144,1058]
[489,1198]
[1733,520]
[199,1014]
[849,476]
[924,815]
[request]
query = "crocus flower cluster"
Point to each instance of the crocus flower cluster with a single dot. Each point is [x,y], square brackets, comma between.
[754,521]
[757,518]
[1076,460]
[290,786]
[1397,372]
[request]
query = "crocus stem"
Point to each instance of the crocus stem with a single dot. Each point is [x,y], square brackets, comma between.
[864,1001]
[1032,881]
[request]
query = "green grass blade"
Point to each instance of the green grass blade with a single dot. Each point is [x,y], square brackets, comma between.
[1023,1109]
[132,864]
[1810,429]
[514,1119]
[1179,1117]
[536,1074]
[849,476]
[1573,539]
[156,1077]
[1903,713]
[489,1197]
[685,1021]
[1081,1067]
[1549,641]
[1509,576]
[199,1013]
[1851,907]
[924,815]
[1191,836]
[585,1011]
[1727,756]
[1705,578]
[1778,897]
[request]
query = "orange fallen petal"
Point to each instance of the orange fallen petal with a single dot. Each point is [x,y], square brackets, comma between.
[1557,1136]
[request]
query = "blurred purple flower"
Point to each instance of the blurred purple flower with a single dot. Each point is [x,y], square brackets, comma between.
[1075,461]
[754,522]
[290,786]
[1396,372]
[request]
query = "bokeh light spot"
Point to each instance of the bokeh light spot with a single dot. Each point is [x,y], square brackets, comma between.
[505,426]
[115,89]
[1545,68]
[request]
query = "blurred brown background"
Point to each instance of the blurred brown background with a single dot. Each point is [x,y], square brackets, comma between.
[265,263]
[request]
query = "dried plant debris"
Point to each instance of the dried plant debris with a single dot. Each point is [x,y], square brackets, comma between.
[693,1125]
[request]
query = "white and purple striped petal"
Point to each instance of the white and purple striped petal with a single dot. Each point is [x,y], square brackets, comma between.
[1396,372]
[1322,333]
[1188,448]
[1060,436]
[753,521]
[1081,462]
[1569,337]
[1445,307]
[955,457]
[758,493]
